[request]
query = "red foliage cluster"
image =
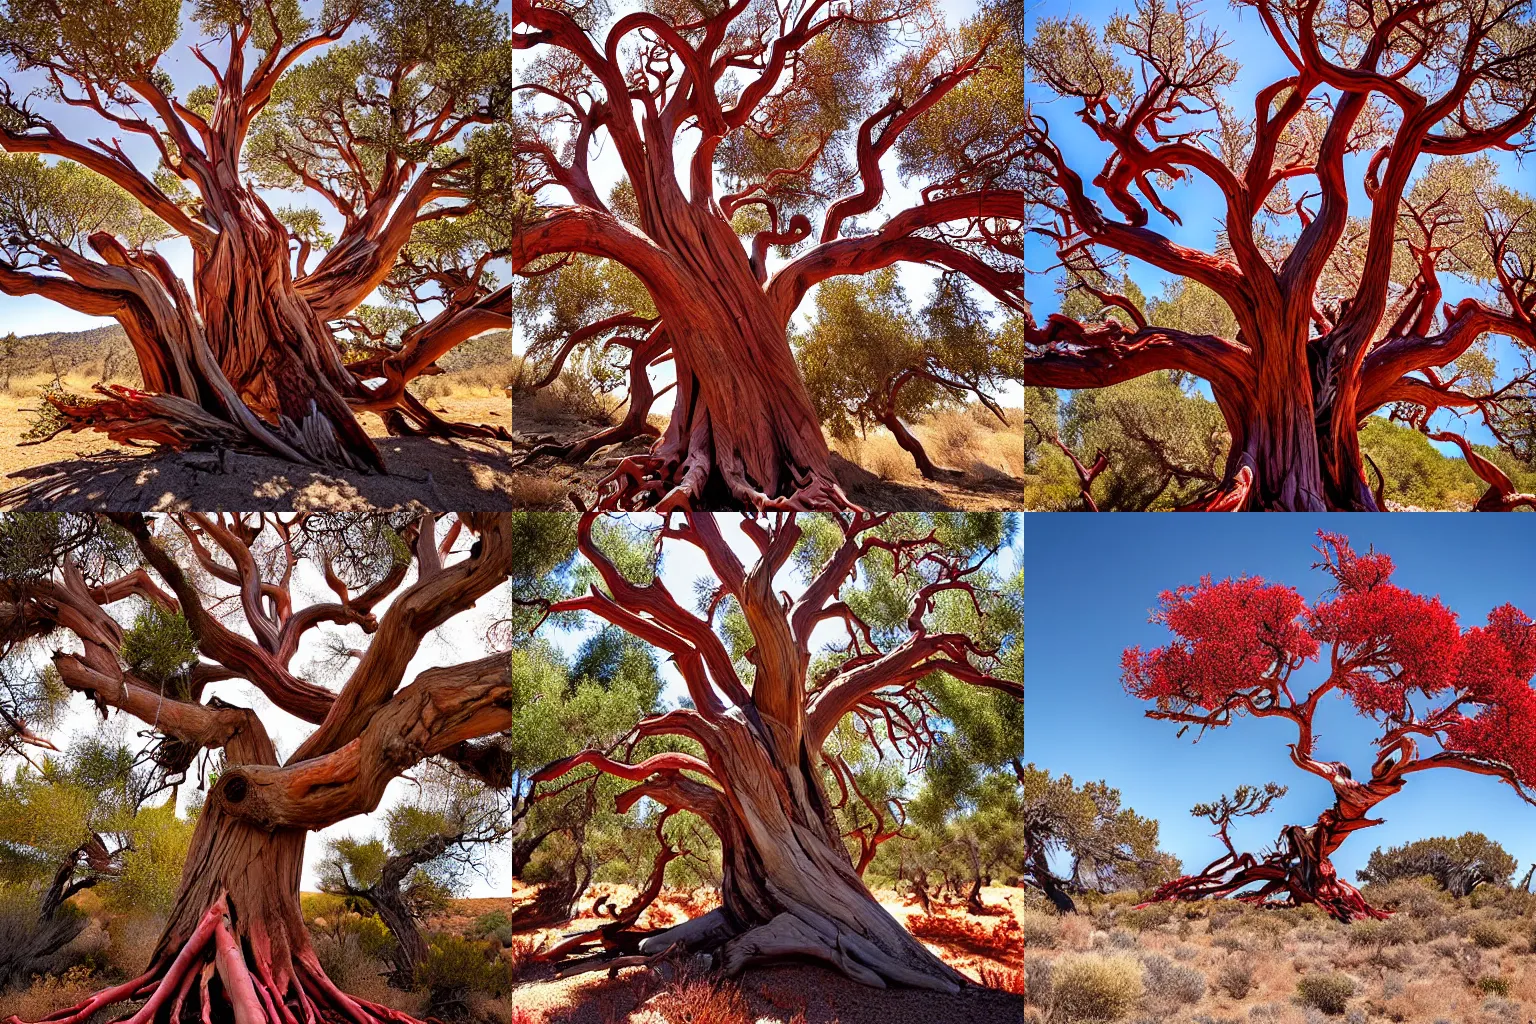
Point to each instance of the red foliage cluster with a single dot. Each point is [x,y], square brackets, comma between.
[1003,941]
[1233,635]
[1237,641]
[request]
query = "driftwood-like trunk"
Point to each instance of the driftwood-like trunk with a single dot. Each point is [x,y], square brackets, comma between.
[789,888]
[744,432]
[246,364]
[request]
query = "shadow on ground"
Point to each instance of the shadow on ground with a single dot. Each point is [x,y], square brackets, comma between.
[547,482]
[424,473]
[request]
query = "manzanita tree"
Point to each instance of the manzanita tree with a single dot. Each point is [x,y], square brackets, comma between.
[384,111]
[734,125]
[747,754]
[234,587]
[1444,697]
[1345,189]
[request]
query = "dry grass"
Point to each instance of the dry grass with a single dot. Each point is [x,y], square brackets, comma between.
[970,440]
[1224,963]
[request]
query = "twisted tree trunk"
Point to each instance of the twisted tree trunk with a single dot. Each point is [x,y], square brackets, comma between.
[744,432]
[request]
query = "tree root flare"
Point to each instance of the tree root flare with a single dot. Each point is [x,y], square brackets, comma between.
[215,965]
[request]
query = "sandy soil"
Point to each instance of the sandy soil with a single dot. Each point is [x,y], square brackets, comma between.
[547,482]
[75,472]
[774,994]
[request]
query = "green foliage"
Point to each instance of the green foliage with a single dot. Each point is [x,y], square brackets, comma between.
[867,355]
[160,647]
[108,42]
[63,204]
[1456,864]
[1328,991]
[159,840]
[455,966]
[1115,846]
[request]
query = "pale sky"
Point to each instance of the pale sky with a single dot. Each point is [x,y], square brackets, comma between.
[461,639]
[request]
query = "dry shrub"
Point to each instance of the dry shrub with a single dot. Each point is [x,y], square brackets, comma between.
[881,455]
[1093,987]
[702,1001]
[1487,934]
[538,492]
[1041,930]
[1235,978]
[953,439]
[133,940]
[49,993]
[1002,941]
[1006,979]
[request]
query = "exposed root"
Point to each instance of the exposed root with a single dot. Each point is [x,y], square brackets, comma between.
[133,417]
[1282,883]
[410,417]
[214,968]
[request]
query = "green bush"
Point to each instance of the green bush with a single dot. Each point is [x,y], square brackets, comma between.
[1096,988]
[1328,991]
[455,967]
[495,925]
[321,905]
[1487,934]
[1490,985]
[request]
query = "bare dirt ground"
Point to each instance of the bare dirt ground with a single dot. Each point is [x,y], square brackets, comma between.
[773,995]
[87,471]
[873,470]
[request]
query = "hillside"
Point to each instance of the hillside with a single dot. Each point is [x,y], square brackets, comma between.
[101,353]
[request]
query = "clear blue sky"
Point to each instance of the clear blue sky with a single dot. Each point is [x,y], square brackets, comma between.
[1196,200]
[1092,580]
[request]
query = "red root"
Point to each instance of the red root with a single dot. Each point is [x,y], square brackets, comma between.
[246,981]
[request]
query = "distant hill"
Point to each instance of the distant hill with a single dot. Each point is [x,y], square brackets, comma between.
[101,353]
[104,353]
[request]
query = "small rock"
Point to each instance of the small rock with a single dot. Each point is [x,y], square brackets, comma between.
[207,462]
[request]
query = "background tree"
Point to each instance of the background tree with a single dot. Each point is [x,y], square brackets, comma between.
[432,843]
[795,113]
[77,821]
[1458,865]
[868,359]
[370,106]
[1400,658]
[1335,306]
[757,726]
[235,919]
[442,292]
[589,321]
[1108,846]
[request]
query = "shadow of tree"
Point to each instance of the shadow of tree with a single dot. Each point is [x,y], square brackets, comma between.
[426,473]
